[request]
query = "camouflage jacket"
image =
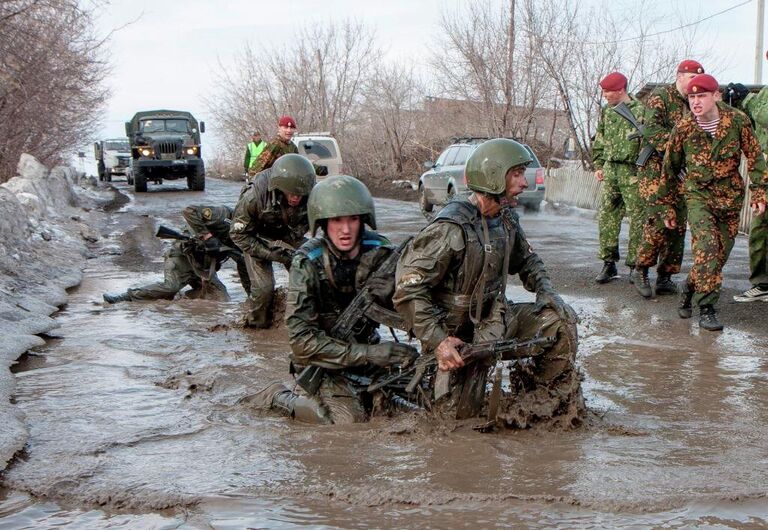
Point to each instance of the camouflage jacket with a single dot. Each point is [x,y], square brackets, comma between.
[438,271]
[712,163]
[262,217]
[216,220]
[315,301]
[611,139]
[664,108]
[272,151]
[756,107]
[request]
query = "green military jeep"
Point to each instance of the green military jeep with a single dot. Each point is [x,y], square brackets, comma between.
[165,144]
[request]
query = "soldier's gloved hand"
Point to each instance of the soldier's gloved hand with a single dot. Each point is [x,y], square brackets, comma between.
[382,289]
[547,298]
[281,255]
[389,353]
[212,244]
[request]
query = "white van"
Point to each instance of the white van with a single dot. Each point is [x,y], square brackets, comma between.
[321,148]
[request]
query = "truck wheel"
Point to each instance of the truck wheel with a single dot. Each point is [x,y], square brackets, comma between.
[129,178]
[139,180]
[108,176]
[101,170]
[196,181]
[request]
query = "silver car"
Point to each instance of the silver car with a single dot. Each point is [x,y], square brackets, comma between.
[445,177]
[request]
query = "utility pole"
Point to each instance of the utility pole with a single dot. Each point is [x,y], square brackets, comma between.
[759,42]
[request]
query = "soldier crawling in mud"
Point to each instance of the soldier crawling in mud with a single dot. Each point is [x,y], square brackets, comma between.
[194,262]
[709,143]
[450,289]
[269,224]
[326,275]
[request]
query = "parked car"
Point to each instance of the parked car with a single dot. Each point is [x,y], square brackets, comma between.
[321,149]
[445,177]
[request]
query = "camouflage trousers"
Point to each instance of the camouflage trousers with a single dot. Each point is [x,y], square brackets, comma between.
[758,250]
[178,273]
[713,232]
[258,306]
[619,199]
[659,244]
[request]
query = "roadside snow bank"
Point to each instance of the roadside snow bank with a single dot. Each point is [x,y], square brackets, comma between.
[44,228]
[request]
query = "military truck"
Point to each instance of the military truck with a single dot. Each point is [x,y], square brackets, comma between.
[113,156]
[165,144]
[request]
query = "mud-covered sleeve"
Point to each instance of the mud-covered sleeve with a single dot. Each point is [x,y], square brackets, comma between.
[526,263]
[598,146]
[756,167]
[310,344]
[422,267]
[204,219]
[656,129]
[245,222]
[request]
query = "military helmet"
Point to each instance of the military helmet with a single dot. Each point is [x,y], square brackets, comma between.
[292,174]
[487,167]
[340,196]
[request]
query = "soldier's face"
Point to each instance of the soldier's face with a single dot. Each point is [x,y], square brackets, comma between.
[293,200]
[614,97]
[683,78]
[285,133]
[344,232]
[256,138]
[702,103]
[516,183]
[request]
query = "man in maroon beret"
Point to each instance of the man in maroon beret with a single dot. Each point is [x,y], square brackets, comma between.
[662,246]
[708,144]
[280,145]
[614,155]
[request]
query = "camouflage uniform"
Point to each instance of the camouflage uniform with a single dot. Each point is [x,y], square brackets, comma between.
[266,229]
[441,283]
[271,152]
[713,191]
[616,156]
[321,285]
[665,107]
[756,106]
[186,263]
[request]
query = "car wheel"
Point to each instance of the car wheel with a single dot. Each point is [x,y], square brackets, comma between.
[426,206]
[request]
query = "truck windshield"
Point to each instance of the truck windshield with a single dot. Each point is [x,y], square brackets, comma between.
[121,146]
[151,126]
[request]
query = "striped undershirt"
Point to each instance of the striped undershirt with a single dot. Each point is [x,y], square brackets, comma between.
[709,126]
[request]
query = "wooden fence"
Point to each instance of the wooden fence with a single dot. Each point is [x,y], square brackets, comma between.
[576,187]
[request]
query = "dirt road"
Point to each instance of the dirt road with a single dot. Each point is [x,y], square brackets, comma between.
[134,421]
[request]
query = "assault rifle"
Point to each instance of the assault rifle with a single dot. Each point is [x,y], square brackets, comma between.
[222,251]
[647,151]
[355,317]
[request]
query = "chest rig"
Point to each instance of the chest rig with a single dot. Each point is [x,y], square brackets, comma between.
[278,221]
[482,274]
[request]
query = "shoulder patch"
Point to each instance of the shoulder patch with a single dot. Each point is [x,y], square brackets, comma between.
[207,214]
[239,226]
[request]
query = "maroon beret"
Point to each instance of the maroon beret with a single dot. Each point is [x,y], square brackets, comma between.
[286,121]
[614,81]
[690,67]
[703,83]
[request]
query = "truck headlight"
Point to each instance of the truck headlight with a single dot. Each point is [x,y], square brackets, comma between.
[191,150]
[146,151]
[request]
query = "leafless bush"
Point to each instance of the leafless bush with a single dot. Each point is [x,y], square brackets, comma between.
[52,70]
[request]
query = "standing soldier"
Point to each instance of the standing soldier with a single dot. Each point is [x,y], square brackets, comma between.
[280,145]
[614,155]
[709,143]
[269,223]
[666,106]
[326,275]
[450,289]
[756,107]
[194,262]
[252,151]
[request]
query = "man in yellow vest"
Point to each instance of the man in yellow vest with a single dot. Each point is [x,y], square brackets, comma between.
[253,150]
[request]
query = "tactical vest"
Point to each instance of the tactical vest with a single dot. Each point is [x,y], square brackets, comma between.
[337,287]
[483,267]
[277,221]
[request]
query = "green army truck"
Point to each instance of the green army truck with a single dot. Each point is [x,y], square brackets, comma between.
[165,144]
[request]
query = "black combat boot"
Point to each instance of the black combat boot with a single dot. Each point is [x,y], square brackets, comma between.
[642,284]
[115,298]
[708,319]
[684,308]
[608,273]
[631,276]
[664,284]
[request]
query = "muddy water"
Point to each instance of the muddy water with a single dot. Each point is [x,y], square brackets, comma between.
[134,419]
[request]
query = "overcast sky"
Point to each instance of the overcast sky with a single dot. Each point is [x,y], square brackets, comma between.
[166,55]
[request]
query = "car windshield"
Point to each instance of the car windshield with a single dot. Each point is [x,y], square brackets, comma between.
[320,148]
[119,145]
[151,126]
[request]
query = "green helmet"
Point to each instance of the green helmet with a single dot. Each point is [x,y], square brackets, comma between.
[292,174]
[340,196]
[487,167]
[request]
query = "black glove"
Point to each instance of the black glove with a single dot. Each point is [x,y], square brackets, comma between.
[388,353]
[382,289]
[735,94]
[547,298]
[212,244]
